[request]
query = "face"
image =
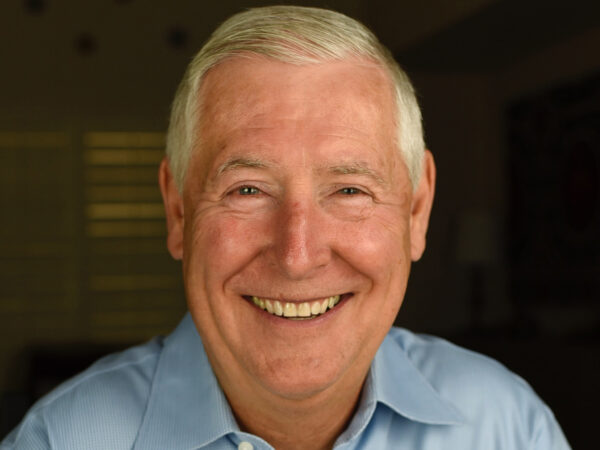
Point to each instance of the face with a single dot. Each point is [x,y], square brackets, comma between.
[296,199]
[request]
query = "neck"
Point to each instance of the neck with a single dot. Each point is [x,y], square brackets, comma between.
[312,419]
[313,422]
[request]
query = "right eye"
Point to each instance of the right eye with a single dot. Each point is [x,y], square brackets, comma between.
[248,190]
[350,191]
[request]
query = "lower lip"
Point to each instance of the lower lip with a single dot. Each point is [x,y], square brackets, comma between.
[282,321]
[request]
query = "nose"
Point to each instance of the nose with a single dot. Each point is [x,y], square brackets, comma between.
[301,243]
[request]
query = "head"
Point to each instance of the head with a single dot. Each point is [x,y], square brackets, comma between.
[296,198]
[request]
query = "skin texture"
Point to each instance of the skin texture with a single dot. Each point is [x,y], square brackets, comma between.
[296,192]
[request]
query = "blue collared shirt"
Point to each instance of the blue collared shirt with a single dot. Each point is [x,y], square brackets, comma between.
[421,393]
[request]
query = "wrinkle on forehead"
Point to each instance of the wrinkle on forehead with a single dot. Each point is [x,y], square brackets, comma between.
[293,94]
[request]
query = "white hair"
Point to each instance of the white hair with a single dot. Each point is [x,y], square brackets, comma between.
[295,35]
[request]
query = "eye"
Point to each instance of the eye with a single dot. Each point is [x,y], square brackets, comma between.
[350,191]
[248,190]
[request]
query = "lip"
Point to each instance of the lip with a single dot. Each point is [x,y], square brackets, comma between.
[282,321]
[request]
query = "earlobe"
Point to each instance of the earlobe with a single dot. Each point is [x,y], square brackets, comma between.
[421,207]
[173,203]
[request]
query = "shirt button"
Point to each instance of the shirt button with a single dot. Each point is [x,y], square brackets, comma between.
[244,445]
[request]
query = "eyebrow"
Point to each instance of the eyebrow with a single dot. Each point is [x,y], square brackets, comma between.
[241,163]
[357,169]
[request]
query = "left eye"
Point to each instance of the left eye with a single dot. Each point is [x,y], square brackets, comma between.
[248,190]
[350,191]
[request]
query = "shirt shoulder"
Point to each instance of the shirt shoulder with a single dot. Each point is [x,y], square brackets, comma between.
[494,401]
[100,408]
[448,366]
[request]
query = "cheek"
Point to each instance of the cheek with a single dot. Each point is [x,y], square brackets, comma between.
[380,244]
[222,244]
[381,252]
[385,256]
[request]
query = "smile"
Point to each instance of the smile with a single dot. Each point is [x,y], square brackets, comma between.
[296,310]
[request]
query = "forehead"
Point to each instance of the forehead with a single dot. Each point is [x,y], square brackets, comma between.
[246,88]
[252,101]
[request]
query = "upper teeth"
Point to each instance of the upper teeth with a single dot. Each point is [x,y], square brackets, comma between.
[293,310]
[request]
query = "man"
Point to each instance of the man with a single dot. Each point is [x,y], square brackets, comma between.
[297,192]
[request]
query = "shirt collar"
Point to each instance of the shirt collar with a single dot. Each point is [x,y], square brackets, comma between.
[187,408]
[394,381]
[397,383]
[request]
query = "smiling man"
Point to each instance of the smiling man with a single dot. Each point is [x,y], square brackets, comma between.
[297,192]
[296,224]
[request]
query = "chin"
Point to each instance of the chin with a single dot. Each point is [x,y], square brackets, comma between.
[299,388]
[299,379]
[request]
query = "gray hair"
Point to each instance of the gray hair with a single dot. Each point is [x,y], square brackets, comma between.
[295,35]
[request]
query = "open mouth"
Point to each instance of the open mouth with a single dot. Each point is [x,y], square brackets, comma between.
[297,310]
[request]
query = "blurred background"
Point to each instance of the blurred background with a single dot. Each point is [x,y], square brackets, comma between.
[510,92]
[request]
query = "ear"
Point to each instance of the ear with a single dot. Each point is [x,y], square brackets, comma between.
[173,210]
[421,207]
